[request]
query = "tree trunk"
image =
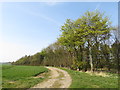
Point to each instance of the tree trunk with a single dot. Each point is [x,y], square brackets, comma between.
[90,57]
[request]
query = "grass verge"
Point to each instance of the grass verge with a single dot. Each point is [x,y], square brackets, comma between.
[84,80]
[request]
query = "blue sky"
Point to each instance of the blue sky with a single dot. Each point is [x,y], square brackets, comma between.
[29,27]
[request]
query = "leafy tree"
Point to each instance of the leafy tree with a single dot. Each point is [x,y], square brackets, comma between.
[83,44]
[89,29]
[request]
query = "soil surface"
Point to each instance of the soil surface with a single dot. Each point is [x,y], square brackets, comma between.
[58,79]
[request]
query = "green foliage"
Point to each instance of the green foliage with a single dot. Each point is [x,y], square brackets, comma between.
[83,44]
[89,28]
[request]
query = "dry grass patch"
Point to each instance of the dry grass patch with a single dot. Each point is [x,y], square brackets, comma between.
[103,74]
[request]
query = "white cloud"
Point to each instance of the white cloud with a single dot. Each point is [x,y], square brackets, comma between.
[0,20]
[13,51]
[97,6]
[45,17]
[59,0]
[52,3]
[41,15]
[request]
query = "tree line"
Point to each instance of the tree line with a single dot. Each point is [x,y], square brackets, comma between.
[88,43]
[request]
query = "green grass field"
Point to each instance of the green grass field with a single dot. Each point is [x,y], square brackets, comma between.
[84,80]
[21,76]
[24,77]
[0,76]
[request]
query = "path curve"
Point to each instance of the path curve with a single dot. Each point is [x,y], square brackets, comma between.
[58,79]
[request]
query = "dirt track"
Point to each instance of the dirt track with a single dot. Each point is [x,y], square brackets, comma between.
[58,79]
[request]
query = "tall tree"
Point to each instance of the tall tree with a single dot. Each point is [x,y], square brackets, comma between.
[91,27]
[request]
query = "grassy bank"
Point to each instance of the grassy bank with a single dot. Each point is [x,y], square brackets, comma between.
[84,80]
[21,76]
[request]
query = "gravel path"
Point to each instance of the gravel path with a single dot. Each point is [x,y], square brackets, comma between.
[58,79]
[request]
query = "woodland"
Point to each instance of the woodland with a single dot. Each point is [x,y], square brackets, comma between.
[87,43]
